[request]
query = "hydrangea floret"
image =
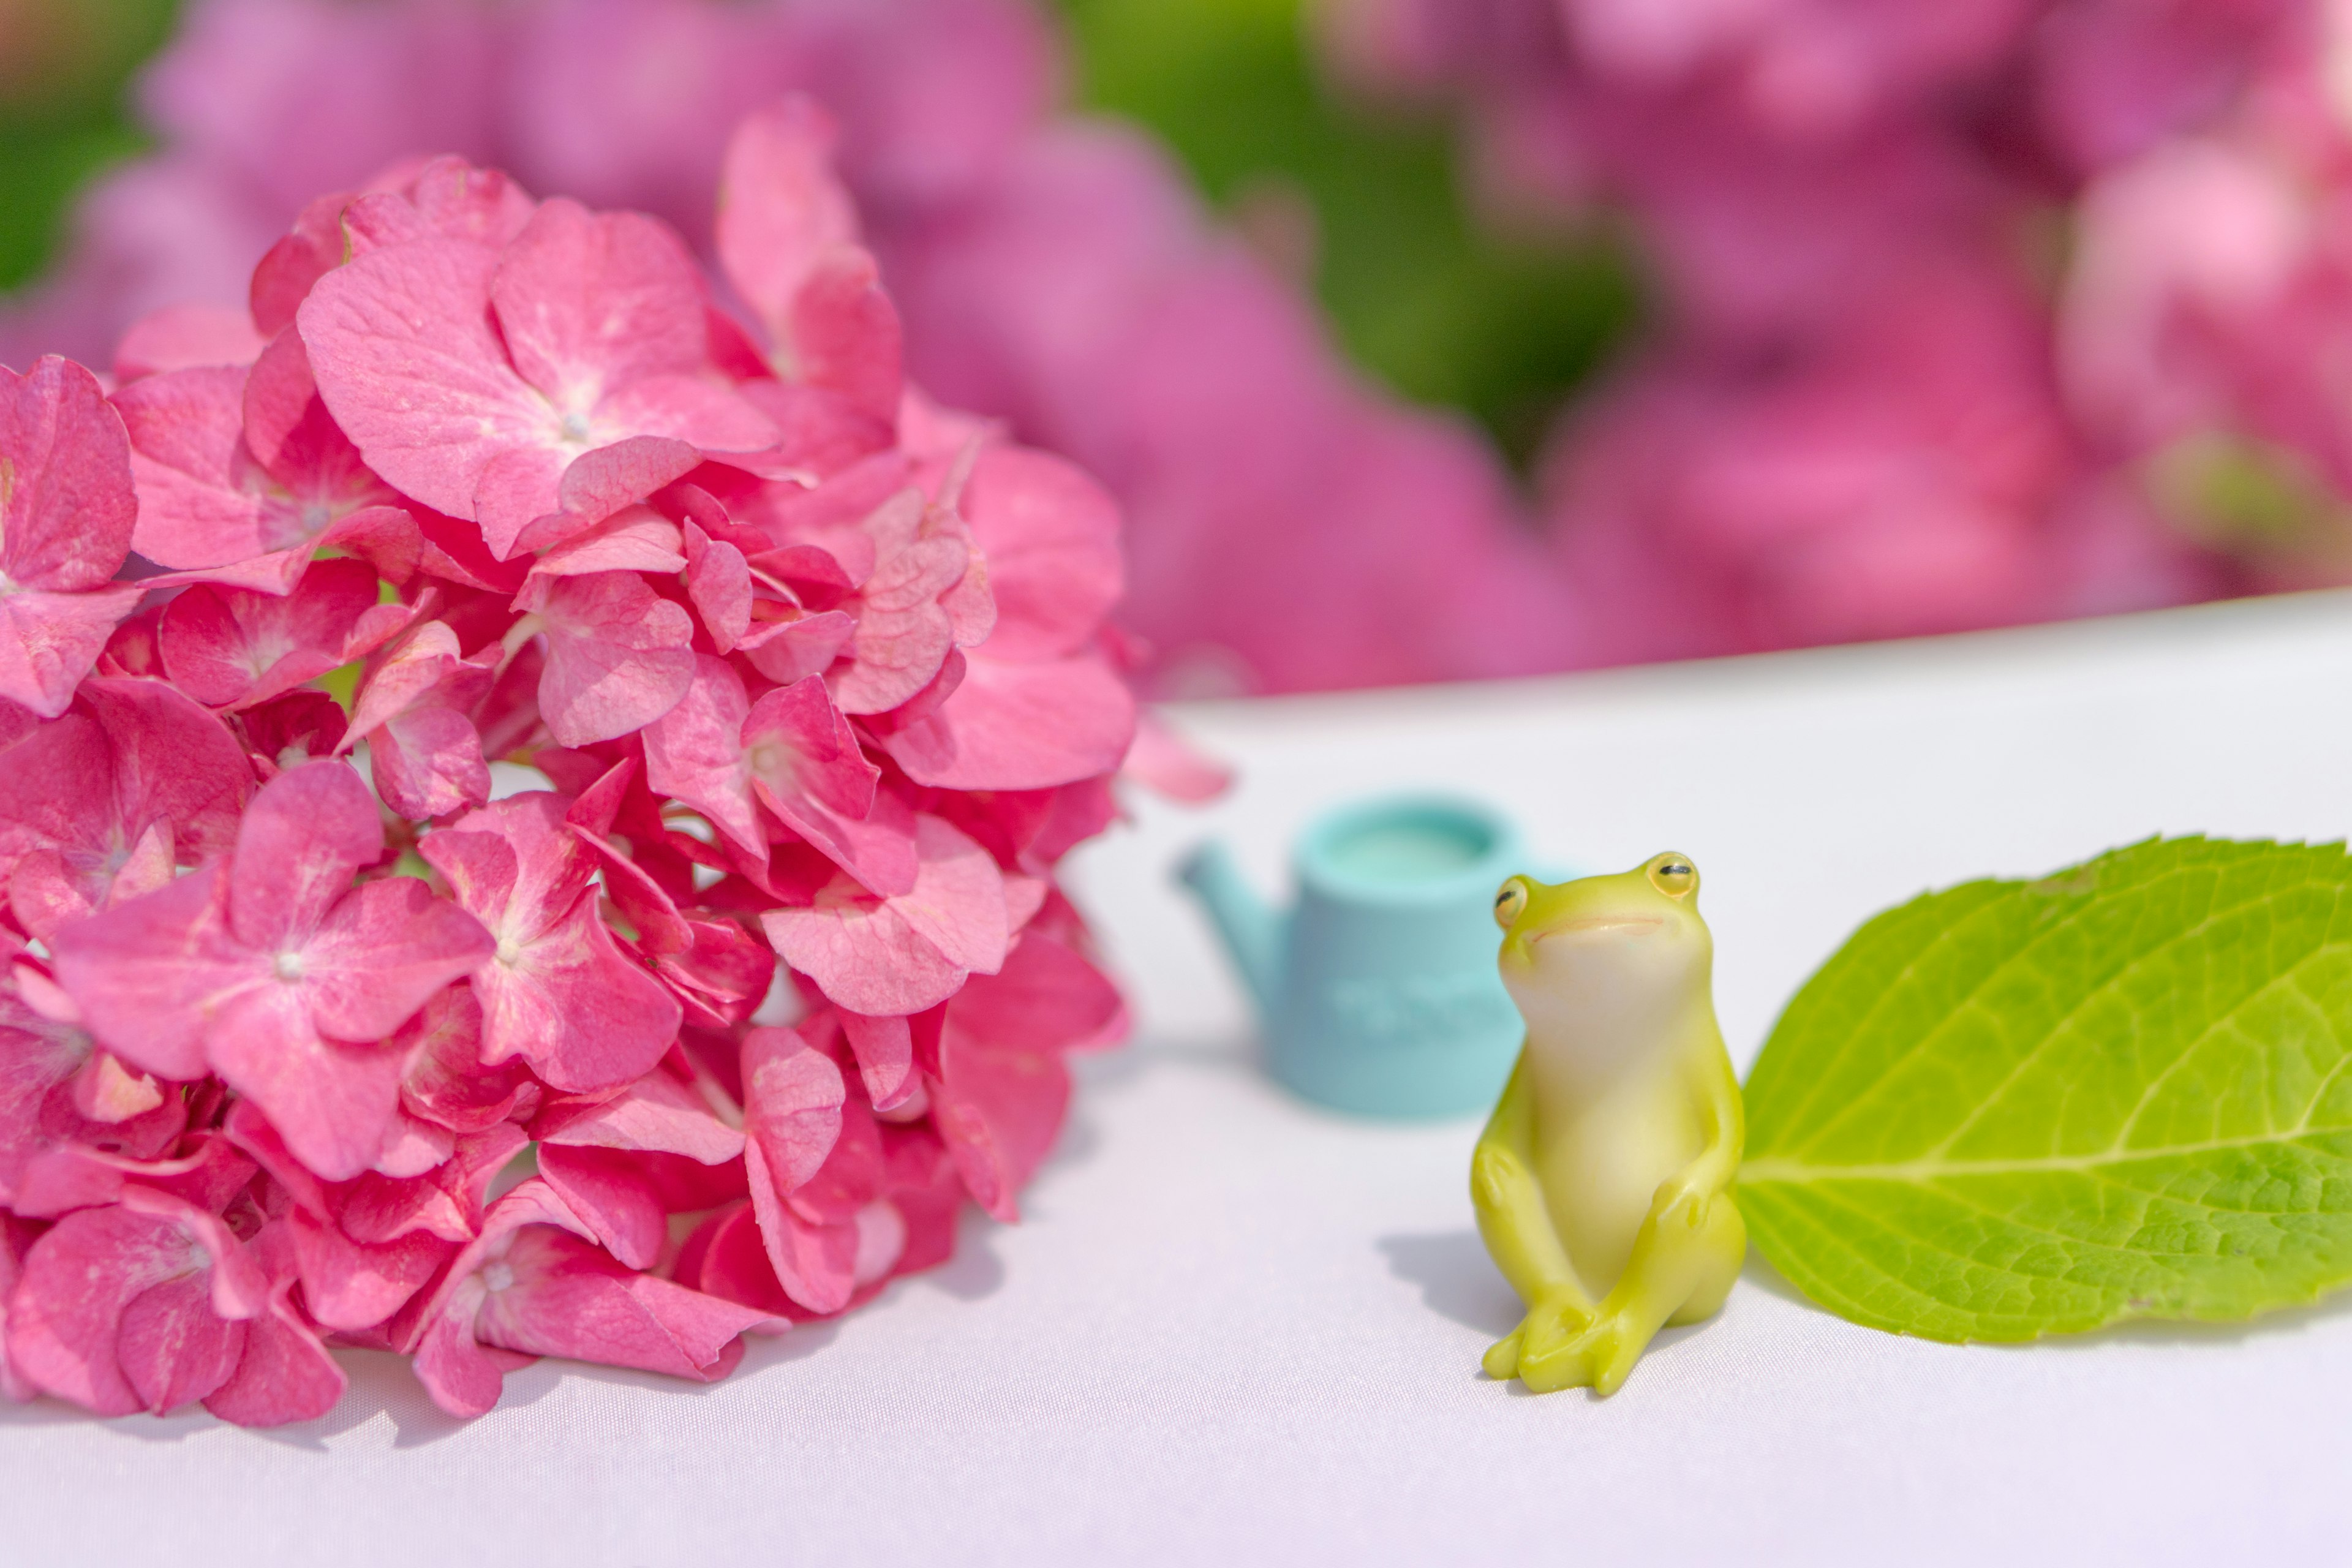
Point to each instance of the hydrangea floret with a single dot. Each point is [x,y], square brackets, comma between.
[305,1040]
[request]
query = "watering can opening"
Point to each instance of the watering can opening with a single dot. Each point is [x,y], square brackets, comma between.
[1409,849]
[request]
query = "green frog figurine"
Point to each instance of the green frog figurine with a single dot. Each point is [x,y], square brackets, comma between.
[1603,1180]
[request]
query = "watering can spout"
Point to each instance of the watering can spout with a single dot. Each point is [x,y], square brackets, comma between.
[1252,929]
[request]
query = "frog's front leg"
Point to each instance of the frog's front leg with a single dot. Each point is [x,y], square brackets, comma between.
[1685,1257]
[1518,1230]
[1679,1273]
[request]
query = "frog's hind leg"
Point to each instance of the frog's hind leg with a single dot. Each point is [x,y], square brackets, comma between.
[1725,1247]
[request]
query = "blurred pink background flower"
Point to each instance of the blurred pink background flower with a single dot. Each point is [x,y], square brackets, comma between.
[1925,281]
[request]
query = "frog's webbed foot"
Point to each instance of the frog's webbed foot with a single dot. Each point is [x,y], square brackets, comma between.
[1600,1358]
[1552,1323]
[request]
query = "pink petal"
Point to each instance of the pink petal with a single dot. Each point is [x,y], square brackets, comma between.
[456,198]
[844,335]
[605,1189]
[791,650]
[903,632]
[96,806]
[601,482]
[573,1006]
[464,1379]
[999,1112]
[884,1049]
[187,444]
[719,582]
[172,761]
[306,834]
[812,1226]
[656,1112]
[571,1300]
[1020,726]
[66,515]
[68,1312]
[15,1238]
[905,954]
[445,1082]
[792,1095]
[816,1261]
[291,434]
[1050,535]
[313,248]
[147,974]
[285,1373]
[181,337]
[49,641]
[288,731]
[696,409]
[695,754]
[780,208]
[559,991]
[46,1108]
[633,539]
[521,486]
[514,865]
[1047,997]
[722,974]
[727,1257]
[332,1101]
[232,647]
[423,662]
[589,303]
[618,657]
[462,1375]
[383,952]
[408,359]
[808,769]
[429,763]
[105,1091]
[350,1286]
[446,1202]
[172,1351]
[1166,763]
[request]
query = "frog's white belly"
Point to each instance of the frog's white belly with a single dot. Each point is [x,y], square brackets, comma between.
[1602,1152]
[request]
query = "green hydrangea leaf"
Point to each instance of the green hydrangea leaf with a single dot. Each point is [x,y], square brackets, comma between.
[2015,1109]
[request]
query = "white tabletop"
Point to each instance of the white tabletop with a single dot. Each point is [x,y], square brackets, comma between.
[1231,1327]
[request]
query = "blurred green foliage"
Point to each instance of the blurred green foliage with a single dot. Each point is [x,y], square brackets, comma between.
[63,112]
[1442,310]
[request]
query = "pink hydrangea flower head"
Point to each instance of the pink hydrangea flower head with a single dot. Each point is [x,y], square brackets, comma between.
[257,1087]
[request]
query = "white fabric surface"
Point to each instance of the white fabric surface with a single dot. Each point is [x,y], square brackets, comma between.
[1233,1328]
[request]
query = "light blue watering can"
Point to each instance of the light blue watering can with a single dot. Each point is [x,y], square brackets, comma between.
[1378,991]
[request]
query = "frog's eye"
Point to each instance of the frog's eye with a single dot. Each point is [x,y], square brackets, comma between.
[1674,876]
[1510,901]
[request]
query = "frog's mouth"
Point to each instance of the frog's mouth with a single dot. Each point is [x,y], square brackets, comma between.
[1592,925]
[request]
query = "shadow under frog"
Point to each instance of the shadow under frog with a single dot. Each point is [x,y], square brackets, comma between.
[1603,1181]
